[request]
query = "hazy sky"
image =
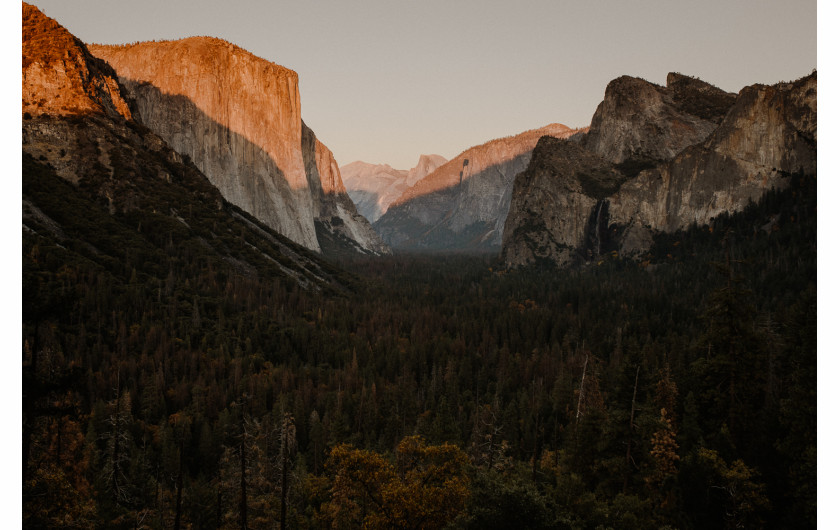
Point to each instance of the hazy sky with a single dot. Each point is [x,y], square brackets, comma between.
[384,81]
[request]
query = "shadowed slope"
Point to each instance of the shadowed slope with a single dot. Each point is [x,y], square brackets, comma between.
[463,203]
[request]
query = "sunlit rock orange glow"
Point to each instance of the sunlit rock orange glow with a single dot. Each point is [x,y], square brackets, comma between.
[238,117]
[60,77]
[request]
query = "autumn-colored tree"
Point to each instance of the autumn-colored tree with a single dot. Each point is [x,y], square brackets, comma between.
[663,451]
[356,493]
[432,485]
[426,488]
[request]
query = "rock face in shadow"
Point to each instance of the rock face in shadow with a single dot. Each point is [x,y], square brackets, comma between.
[769,134]
[687,153]
[553,200]
[374,187]
[129,193]
[463,203]
[339,227]
[640,120]
[238,118]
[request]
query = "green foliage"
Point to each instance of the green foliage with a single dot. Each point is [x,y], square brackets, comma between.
[729,495]
[505,501]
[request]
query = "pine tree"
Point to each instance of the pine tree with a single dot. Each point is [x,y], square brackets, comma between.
[664,452]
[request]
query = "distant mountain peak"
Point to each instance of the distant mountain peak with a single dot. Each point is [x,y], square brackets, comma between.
[463,203]
[373,187]
[499,149]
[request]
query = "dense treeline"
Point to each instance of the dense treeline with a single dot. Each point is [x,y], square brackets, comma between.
[165,389]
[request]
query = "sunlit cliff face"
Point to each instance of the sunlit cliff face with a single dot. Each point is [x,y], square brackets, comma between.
[464,203]
[249,96]
[59,76]
[479,158]
[235,115]
[238,118]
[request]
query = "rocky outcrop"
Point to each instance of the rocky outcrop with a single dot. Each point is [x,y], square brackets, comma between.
[608,192]
[425,166]
[373,187]
[60,76]
[238,118]
[640,120]
[769,133]
[552,201]
[463,203]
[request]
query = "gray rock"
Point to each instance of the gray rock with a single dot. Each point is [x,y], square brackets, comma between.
[238,118]
[658,159]
[463,204]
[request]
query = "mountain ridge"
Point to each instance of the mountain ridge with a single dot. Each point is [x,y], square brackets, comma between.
[673,156]
[374,187]
[463,203]
[53,57]
[128,184]
[238,117]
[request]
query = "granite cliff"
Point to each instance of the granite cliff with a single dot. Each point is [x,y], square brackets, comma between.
[646,122]
[463,203]
[238,117]
[104,189]
[373,187]
[658,159]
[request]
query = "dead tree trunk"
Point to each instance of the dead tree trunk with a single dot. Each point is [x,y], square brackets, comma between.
[628,458]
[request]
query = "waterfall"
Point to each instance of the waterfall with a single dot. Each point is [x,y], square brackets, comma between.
[597,235]
[598,226]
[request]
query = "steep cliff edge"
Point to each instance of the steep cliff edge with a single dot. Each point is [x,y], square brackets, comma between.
[238,117]
[644,121]
[338,225]
[769,133]
[463,203]
[552,202]
[670,157]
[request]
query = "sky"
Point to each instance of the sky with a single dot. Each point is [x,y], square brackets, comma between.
[384,81]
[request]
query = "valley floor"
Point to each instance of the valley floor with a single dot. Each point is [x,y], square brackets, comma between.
[428,391]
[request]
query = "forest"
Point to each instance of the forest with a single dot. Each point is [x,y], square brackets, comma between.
[164,387]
